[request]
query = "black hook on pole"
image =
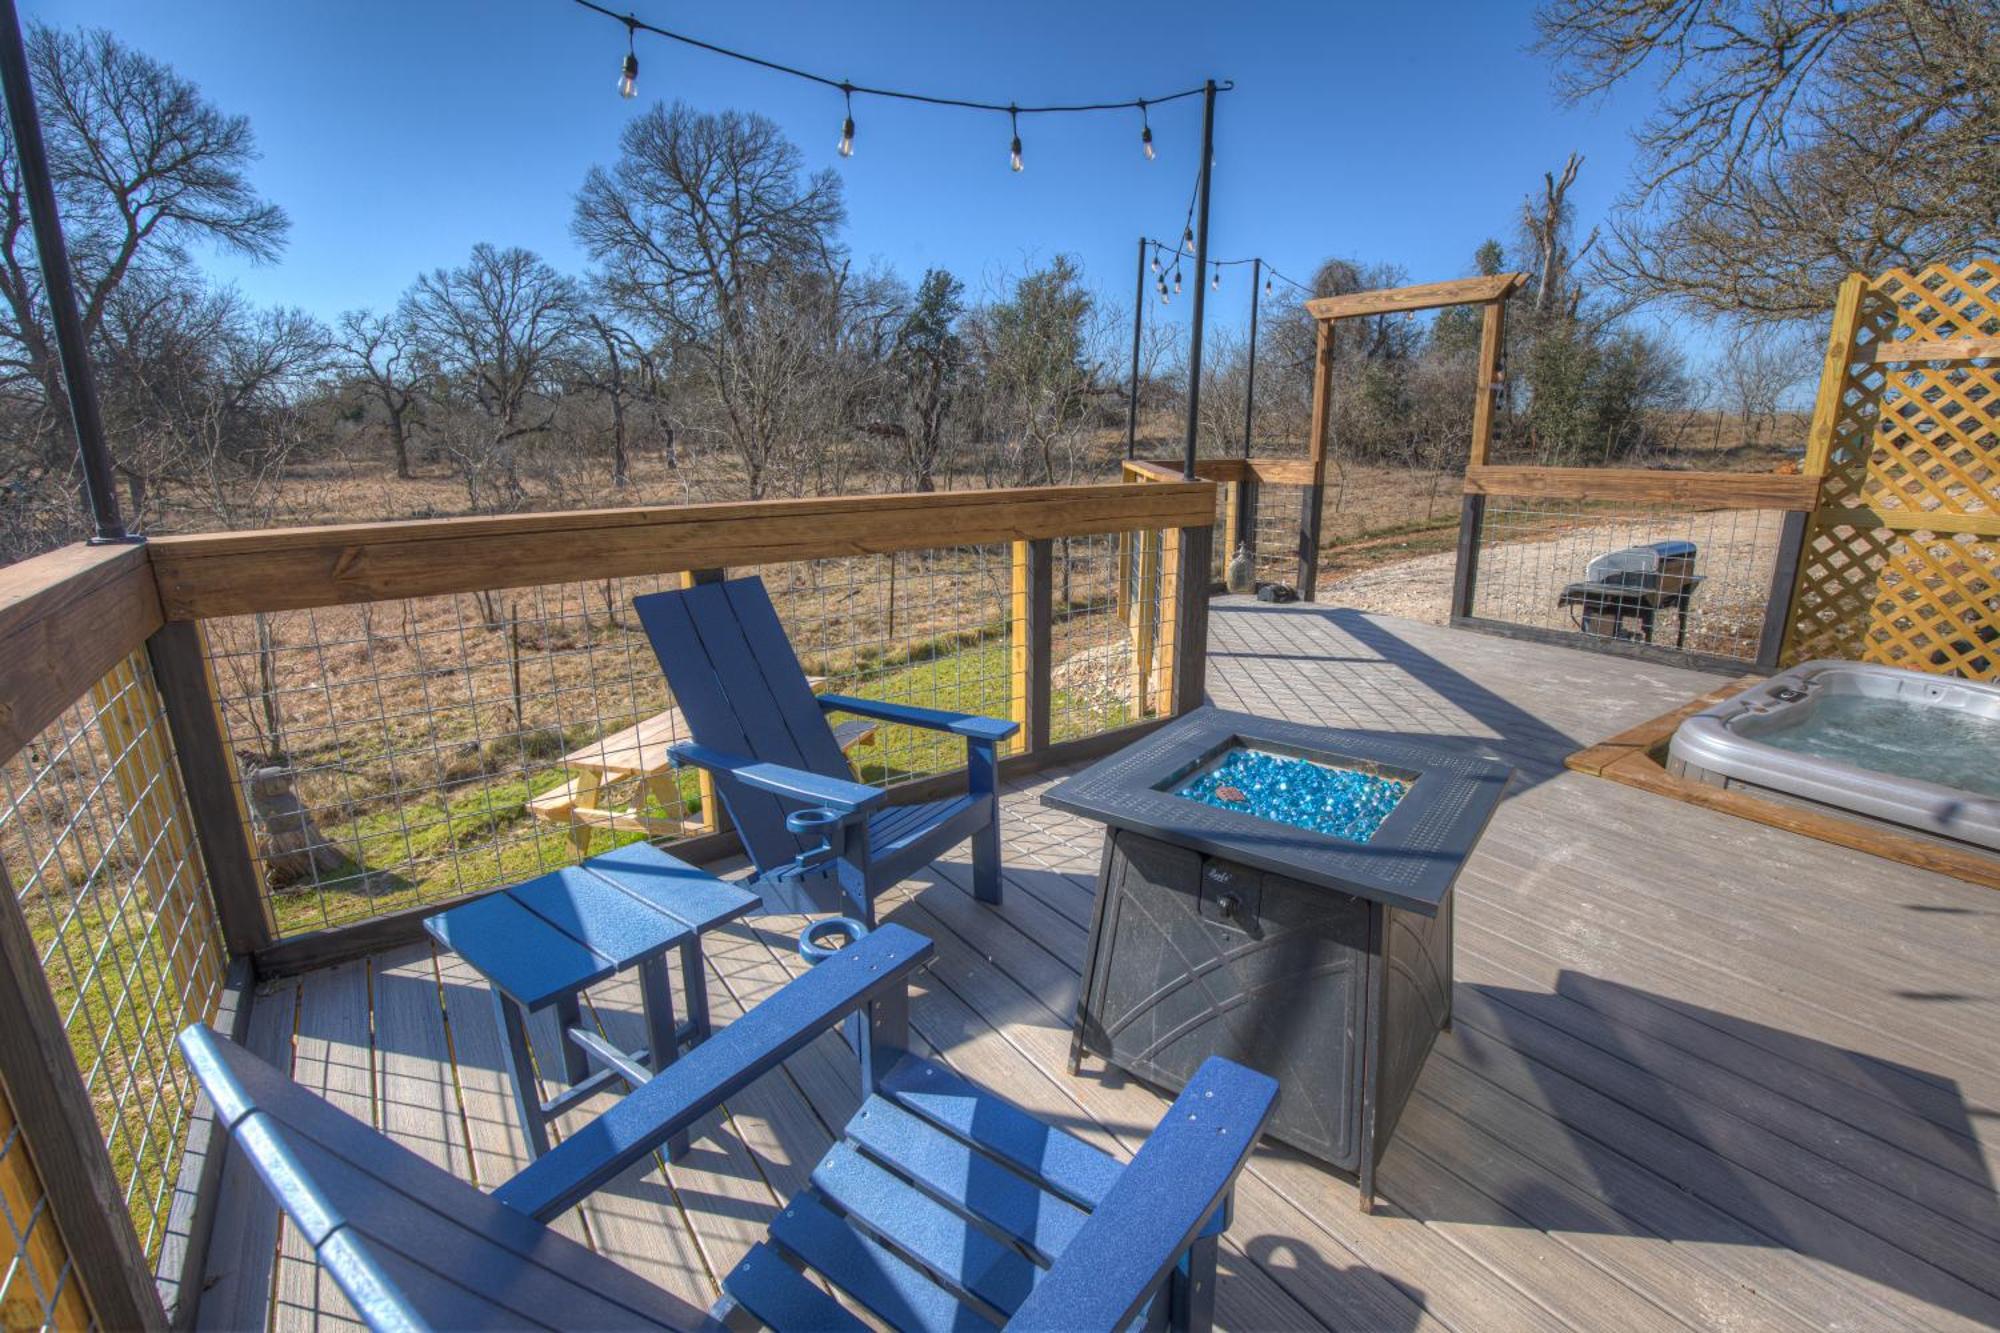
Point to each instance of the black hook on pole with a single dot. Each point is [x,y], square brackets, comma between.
[100,493]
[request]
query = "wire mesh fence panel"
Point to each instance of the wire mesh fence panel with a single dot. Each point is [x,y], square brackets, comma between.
[1106,666]
[39,1287]
[1277,545]
[100,853]
[402,753]
[1694,580]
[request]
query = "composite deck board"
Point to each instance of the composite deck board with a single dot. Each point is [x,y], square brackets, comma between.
[1704,1073]
[237,1277]
[333,1056]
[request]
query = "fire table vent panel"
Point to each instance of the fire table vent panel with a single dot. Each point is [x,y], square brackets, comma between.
[1204,957]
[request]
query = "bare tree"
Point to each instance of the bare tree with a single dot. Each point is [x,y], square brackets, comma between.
[1796,140]
[381,351]
[1755,372]
[496,329]
[929,356]
[144,169]
[711,235]
[622,372]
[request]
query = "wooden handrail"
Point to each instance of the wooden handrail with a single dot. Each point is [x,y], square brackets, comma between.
[1207,469]
[1936,349]
[66,619]
[293,568]
[1713,490]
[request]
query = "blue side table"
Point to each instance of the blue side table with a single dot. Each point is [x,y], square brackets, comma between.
[541,944]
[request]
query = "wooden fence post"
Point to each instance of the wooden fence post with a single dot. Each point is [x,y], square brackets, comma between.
[55,1116]
[1314,497]
[1190,666]
[1472,508]
[1172,576]
[179,655]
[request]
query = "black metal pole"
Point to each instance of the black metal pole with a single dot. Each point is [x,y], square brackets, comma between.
[1200,276]
[1138,323]
[1250,386]
[100,492]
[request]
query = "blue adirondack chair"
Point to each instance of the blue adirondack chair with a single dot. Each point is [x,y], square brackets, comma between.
[815,835]
[905,1214]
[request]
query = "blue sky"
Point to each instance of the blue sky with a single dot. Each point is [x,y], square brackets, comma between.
[398,135]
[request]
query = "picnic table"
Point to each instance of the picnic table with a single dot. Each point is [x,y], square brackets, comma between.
[640,752]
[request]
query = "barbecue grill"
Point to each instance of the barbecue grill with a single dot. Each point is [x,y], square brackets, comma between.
[1638,583]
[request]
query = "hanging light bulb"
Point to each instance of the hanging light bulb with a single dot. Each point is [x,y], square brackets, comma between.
[847,125]
[1156,263]
[1163,291]
[1177,281]
[1014,153]
[1187,239]
[628,74]
[1267,286]
[1215,283]
[1145,133]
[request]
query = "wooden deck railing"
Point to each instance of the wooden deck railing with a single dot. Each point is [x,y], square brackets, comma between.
[134,680]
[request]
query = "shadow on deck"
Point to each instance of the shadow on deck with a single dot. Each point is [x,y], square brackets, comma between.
[1703,1073]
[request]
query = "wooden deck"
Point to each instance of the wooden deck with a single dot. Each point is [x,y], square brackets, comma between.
[1704,1073]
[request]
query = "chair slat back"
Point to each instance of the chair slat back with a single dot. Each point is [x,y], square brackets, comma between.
[741,688]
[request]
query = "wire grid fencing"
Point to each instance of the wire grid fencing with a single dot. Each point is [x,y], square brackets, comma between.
[405,753]
[99,852]
[1534,569]
[1107,667]
[1277,526]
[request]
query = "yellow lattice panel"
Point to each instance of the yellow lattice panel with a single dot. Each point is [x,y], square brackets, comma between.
[1901,562]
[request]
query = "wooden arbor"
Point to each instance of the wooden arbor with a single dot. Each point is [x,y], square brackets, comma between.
[1901,556]
[1490,294]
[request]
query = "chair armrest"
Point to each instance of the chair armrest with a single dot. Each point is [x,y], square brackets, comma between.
[1157,1206]
[798,784]
[969,725]
[686,1090]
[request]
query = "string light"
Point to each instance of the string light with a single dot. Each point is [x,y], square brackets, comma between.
[1267,286]
[629,79]
[1215,283]
[1187,238]
[628,74]
[1156,263]
[1177,280]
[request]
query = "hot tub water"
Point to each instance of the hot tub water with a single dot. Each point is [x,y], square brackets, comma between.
[1950,746]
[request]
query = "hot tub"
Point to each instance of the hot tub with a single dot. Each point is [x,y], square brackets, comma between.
[1900,747]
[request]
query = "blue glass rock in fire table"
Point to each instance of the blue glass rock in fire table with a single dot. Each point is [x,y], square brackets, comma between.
[1340,802]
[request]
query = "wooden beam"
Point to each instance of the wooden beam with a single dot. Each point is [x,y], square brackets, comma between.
[1916,520]
[1492,347]
[293,568]
[1283,471]
[1833,373]
[66,619]
[1207,469]
[1712,490]
[1313,501]
[1424,296]
[53,1107]
[1937,349]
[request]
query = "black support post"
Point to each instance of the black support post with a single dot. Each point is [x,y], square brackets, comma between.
[1465,574]
[1250,386]
[1200,282]
[100,492]
[1138,327]
[1041,653]
[1197,550]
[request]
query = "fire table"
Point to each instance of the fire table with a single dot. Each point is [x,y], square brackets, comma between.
[1280,895]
